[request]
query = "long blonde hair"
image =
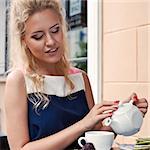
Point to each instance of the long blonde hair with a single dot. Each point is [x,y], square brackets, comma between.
[22,58]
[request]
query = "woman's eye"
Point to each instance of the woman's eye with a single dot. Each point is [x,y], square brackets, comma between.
[37,37]
[55,30]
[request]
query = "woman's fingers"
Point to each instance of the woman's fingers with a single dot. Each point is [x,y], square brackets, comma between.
[105,103]
[133,96]
[142,103]
[109,103]
[143,110]
[105,106]
[141,100]
[104,116]
[106,109]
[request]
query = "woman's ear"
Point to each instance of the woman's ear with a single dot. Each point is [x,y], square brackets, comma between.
[22,38]
[23,41]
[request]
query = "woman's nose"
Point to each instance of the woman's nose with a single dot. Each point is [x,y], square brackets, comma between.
[49,40]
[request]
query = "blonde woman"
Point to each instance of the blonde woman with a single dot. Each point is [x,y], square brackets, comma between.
[49,104]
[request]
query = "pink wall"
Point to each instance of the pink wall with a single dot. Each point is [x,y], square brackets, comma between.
[126,52]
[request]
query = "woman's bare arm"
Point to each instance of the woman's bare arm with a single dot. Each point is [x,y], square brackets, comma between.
[16,110]
[91,103]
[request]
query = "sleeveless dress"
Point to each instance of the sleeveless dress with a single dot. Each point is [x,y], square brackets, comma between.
[62,111]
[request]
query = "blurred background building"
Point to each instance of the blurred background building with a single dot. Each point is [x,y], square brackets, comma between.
[107,38]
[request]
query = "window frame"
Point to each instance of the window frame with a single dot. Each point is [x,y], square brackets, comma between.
[95,48]
[3,37]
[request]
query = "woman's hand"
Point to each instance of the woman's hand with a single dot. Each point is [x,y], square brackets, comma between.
[98,113]
[141,103]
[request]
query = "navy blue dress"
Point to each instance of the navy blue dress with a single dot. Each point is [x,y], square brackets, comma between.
[62,111]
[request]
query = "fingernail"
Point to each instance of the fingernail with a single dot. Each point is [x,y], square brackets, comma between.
[115,108]
[135,97]
[110,113]
[116,102]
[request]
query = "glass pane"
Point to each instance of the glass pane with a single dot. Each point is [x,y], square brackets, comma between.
[76,14]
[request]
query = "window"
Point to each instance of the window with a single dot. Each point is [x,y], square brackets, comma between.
[76,15]
[85,39]
[2,35]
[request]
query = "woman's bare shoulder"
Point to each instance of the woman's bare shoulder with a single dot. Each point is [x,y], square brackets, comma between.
[14,90]
[16,108]
[15,77]
[15,85]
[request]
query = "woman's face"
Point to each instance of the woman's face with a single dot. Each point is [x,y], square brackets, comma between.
[44,37]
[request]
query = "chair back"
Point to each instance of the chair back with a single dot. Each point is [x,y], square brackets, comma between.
[4,143]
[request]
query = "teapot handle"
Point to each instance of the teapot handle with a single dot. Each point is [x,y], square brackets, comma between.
[107,121]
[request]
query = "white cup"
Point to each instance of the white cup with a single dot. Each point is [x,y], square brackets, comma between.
[102,140]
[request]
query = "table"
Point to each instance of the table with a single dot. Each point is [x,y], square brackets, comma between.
[115,148]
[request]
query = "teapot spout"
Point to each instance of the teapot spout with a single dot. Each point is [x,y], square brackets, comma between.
[107,121]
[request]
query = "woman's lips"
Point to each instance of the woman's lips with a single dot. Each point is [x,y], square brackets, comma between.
[52,50]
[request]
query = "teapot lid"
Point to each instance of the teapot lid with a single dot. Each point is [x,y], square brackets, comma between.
[123,108]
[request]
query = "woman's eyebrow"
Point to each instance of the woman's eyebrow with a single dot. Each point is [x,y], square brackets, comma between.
[54,25]
[37,32]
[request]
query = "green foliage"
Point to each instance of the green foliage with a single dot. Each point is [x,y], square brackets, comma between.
[82,53]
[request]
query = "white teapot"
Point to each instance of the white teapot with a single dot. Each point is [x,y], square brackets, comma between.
[126,120]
